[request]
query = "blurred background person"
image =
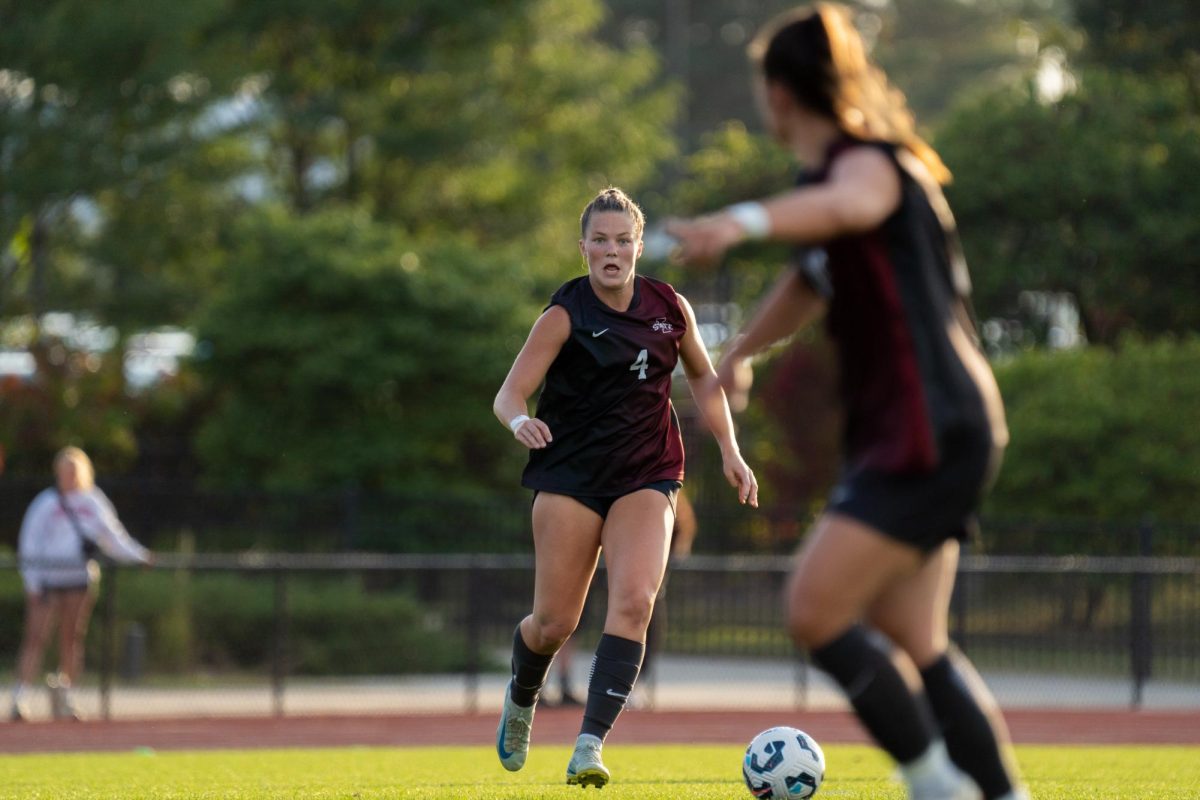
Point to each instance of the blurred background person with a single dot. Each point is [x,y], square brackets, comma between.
[65,527]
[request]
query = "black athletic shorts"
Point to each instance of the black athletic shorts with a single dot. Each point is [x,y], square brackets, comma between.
[601,504]
[66,588]
[927,508]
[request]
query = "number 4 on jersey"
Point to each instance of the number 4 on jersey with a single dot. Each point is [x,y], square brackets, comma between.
[639,364]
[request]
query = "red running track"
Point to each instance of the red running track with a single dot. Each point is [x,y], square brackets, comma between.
[559,726]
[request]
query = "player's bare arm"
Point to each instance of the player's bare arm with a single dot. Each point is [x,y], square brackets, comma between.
[863,190]
[790,306]
[714,408]
[511,406]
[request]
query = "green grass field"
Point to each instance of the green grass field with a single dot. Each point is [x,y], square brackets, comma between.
[639,772]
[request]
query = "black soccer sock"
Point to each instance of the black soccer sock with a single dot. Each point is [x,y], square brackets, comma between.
[529,671]
[614,671]
[880,697]
[970,737]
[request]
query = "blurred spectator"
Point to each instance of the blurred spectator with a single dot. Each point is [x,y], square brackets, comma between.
[63,530]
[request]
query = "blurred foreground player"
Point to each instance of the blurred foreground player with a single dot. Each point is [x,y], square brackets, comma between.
[605,465]
[877,254]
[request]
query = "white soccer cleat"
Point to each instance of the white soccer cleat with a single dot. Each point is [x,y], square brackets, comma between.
[20,711]
[512,736]
[62,699]
[585,768]
[950,786]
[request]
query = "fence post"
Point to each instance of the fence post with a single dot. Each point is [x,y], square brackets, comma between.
[108,646]
[279,653]
[351,505]
[475,601]
[1141,644]
[800,679]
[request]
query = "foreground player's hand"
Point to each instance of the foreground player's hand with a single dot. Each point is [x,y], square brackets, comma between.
[736,376]
[533,433]
[703,240]
[741,477]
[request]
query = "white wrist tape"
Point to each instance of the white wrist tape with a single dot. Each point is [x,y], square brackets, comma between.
[517,421]
[753,219]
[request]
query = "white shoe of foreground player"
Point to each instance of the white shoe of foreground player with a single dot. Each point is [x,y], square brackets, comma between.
[954,786]
[586,768]
[512,737]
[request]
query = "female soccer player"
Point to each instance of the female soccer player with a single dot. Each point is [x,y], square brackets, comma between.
[878,255]
[605,465]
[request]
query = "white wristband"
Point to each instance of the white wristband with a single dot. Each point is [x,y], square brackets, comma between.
[517,422]
[753,218]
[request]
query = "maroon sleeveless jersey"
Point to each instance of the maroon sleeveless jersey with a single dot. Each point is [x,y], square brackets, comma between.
[607,396]
[893,293]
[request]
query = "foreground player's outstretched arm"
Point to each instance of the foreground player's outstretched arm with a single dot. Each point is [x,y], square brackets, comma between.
[863,190]
[714,408]
[511,406]
[789,306]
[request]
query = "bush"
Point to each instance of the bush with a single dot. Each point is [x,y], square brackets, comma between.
[335,626]
[1102,434]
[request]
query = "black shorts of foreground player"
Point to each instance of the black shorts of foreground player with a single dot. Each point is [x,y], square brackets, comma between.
[877,254]
[605,464]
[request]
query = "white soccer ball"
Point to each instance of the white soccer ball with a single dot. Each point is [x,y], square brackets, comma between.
[784,764]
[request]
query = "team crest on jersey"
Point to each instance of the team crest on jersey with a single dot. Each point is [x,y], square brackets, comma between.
[662,326]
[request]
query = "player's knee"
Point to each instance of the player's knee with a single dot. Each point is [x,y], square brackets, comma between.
[810,622]
[550,632]
[920,643]
[632,610]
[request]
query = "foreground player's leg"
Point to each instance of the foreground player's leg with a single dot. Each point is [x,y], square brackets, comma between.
[975,738]
[635,537]
[914,614]
[844,565]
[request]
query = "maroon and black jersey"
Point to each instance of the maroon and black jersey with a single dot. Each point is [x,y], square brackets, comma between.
[607,396]
[893,294]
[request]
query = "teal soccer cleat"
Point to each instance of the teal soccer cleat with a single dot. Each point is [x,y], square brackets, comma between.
[512,737]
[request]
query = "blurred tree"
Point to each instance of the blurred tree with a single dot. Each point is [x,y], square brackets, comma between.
[93,98]
[343,352]
[1096,434]
[1143,37]
[497,121]
[932,49]
[1090,193]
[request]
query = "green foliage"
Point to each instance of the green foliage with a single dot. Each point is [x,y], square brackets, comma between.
[1101,434]
[1091,195]
[341,351]
[79,398]
[1147,37]
[93,98]
[337,626]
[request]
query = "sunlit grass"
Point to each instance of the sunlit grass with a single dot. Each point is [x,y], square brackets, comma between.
[639,773]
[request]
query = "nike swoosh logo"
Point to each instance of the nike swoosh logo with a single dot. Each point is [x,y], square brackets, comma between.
[618,695]
[504,754]
[599,333]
